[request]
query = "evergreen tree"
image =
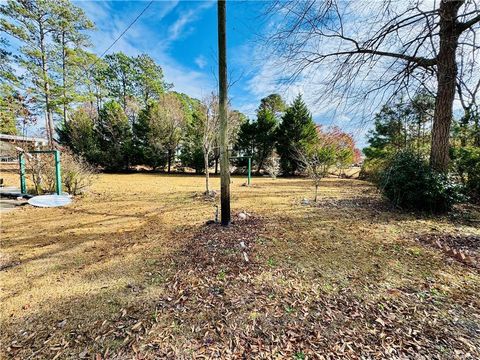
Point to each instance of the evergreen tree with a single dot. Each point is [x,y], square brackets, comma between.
[69,39]
[274,103]
[149,147]
[265,130]
[149,79]
[114,137]
[120,77]
[295,133]
[402,125]
[79,134]
[192,153]
[35,24]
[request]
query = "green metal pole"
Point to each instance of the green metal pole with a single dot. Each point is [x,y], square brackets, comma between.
[249,170]
[23,185]
[58,174]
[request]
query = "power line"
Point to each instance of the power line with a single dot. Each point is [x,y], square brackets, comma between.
[127,28]
[119,37]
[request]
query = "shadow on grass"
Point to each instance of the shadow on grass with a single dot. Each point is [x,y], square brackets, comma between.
[317,278]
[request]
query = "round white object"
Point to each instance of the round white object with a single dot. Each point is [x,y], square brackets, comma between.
[50,200]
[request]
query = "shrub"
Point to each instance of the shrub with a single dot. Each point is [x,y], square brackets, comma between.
[272,166]
[372,169]
[410,183]
[467,164]
[41,170]
[77,174]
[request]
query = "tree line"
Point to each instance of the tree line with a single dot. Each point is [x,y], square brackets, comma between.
[118,111]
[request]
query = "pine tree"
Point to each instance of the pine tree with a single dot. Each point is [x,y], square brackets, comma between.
[114,137]
[295,133]
[265,138]
[69,40]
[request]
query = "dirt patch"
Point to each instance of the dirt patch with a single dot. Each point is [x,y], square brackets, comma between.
[463,248]
[8,261]
[369,202]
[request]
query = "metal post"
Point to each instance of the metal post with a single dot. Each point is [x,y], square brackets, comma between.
[58,176]
[249,170]
[23,185]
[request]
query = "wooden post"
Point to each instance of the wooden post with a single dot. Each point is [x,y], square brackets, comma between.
[222,76]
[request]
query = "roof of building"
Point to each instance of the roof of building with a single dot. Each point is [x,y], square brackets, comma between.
[22,138]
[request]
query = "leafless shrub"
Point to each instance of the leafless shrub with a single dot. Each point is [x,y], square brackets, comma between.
[41,170]
[78,175]
[272,166]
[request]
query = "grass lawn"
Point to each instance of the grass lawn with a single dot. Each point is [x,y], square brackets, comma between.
[132,271]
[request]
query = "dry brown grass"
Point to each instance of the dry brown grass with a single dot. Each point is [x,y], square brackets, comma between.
[131,270]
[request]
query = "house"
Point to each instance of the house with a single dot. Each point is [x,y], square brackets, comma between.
[11,144]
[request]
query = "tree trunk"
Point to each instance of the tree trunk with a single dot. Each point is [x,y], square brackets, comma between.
[216,165]
[446,79]
[476,126]
[316,192]
[46,88]
[222,70]
[124,95]
[169,160]
[207,185]
[64,78]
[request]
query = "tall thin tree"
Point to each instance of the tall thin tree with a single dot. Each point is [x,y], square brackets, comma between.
[222,76]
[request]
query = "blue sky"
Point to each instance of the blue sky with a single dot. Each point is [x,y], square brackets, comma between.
[182,37]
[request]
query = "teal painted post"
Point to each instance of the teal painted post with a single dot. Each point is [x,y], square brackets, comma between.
[23,185]
[249,170]
[58,174]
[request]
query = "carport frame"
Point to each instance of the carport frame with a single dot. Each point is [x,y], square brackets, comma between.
[58,170]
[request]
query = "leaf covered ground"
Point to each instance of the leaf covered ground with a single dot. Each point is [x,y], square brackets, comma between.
[132,271]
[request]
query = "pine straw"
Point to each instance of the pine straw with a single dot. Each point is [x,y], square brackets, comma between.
[217,308]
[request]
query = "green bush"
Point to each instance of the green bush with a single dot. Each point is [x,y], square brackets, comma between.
[411,184]
[372,169]
[467,164]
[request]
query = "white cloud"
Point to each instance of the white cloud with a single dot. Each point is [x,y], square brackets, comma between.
[179,28]
[201,61]
[138,39]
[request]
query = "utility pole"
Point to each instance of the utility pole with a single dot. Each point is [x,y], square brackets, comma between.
[222,76]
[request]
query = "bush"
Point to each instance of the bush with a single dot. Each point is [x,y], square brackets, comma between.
[411,184]
[467,164]
[372,169]
[272,166]
[77,174]
[41,170]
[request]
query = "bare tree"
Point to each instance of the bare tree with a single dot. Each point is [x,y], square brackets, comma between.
[315,162]
[377,48]
[209,129]
[272,165]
